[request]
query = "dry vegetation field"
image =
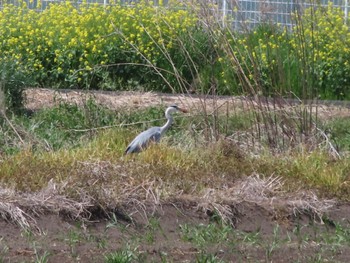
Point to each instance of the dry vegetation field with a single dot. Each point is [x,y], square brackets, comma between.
[180,201]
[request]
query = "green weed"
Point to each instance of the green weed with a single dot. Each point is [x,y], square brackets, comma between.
[113,221]
[152,228]
[126,255]
[251,238]
[41,258]
[61,126]
[13,80]
[4,249]
[28,235]
[73,238]
[338,130]
[273,245]
[208,258]
[204,235]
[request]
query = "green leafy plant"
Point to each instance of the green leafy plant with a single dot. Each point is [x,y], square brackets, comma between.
[203,235]
[13,81]
[208,258]
[326,36]
[41,258]
[4,250]
[73,238]
[126,255]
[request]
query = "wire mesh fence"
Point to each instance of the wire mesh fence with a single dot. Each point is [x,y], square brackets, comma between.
[239,14]
[250,13]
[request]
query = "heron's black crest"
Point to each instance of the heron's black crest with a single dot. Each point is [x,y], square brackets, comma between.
[174,106]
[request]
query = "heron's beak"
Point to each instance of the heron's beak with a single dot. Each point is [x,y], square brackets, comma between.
[183,110]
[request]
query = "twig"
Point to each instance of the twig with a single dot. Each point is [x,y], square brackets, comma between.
[142,122]
[12,126]
[333,151]
[119,125]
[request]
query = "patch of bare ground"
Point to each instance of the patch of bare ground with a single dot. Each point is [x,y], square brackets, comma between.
[263,224]
[44,98]
[254,237]
[38,98]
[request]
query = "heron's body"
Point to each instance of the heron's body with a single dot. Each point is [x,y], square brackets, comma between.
[153,134]
[144,139]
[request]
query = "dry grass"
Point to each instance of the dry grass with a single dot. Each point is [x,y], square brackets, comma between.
[22,208]
[267,192]
[217,177]
[216,172]
[146,197]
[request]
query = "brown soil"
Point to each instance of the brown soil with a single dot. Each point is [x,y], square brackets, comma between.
[260,233]
[64,240]
[43,98]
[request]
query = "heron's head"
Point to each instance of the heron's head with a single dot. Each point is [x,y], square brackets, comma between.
[174,108]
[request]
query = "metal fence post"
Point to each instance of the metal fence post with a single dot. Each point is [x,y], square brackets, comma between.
[223,12]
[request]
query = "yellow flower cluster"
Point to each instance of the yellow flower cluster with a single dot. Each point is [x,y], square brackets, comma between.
[270,45]
[320,41]
[327,41]
[260,52]
[326,33]
[68,42]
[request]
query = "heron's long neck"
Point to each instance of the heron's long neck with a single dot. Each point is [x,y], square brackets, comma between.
[168,123]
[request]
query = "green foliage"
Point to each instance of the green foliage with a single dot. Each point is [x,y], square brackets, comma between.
[152,227]
[309,61]
[170,49]
[61,126]
[92,46]
[202,235]
[208,258]
[13,80]
[271,65]
[70,125]
[339,131]
[126,255]
[68,132]
[44,258]
[4,250]
[327,39]
[341,235]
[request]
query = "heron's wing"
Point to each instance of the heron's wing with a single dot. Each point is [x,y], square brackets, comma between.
[143,139]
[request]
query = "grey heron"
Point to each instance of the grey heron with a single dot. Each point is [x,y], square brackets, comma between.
[153,134]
